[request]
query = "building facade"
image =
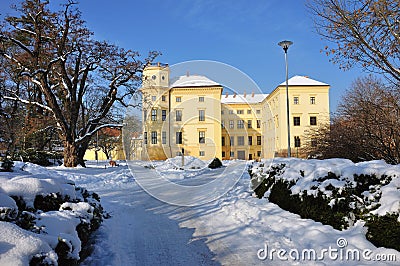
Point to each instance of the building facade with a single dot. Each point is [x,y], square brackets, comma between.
[190,114]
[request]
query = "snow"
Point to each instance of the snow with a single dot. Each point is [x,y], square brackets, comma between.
[248,98]
[192,81]
[18,245]
[8,207]
[233,229]
[29,187]
[389,201]
[303,81]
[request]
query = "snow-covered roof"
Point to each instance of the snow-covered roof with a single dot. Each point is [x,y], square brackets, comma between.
[247,98]
[303,81]
[192,81]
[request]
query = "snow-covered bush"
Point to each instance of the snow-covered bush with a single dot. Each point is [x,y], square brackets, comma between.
[215,163]
[6,165]
[335,192]
[51,208]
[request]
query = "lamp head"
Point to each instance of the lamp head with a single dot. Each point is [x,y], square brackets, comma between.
[285,45]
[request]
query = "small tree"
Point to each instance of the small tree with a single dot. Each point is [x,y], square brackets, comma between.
[55,51]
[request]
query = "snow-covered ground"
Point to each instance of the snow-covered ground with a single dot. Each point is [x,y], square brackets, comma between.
[234,229]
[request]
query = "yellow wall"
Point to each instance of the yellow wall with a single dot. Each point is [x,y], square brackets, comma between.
[153,90]
[275,121]
[230,113]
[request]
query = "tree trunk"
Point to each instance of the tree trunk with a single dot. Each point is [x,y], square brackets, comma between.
[70,154]
[81,153]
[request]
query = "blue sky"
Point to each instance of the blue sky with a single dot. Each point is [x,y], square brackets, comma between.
[240,33]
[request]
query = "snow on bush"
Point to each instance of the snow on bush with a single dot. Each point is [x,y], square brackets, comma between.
[336,192]
[190,162]
[19,246]
[48,209]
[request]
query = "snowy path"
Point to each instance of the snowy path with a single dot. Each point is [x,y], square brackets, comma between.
[227,231]
[136,234]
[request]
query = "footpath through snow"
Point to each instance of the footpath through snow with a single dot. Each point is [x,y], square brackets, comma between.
[235,229]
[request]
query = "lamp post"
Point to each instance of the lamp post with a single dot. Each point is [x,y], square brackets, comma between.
[285,45]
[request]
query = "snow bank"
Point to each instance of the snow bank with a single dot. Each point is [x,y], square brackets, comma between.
[17,246]
[176,163]
[313,176]
[42,196]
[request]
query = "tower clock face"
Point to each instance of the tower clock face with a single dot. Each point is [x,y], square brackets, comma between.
[154,77]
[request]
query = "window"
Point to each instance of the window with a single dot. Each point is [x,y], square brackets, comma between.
[249,111]
[223,154]
[258,111]
[202,153]
[232,154]
[239,112]
[202,137]
[232,141]
[145,137]
[296,121]
[201,99]
[222,112]
[296,100]
[313,120]
[231,124]
[178,99]
[222,124]
[258,153]
[153,114]
[249,124]
[223,141]
[258,140]
[164,137]
[258,123]
[178,137]
[153,98]
[163,98]
[231,112]
[312,100]
[153,137]
[240,124]
[297,141]
[178,115]
[240,140]
[163,115]
[250,140]
[144,115]
[202,116]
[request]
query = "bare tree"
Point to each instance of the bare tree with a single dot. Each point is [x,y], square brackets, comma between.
[364,32]
[55,51]
[366,127]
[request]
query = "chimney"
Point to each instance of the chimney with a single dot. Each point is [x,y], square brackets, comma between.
[226,95]
[252,94]
[244,94]
[187,73]
[234,95]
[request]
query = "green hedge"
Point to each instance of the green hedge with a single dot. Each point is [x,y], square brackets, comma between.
[383,231]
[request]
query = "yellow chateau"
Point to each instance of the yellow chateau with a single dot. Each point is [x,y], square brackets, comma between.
[191,114]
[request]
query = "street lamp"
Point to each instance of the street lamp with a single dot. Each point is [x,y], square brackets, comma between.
[285,45]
